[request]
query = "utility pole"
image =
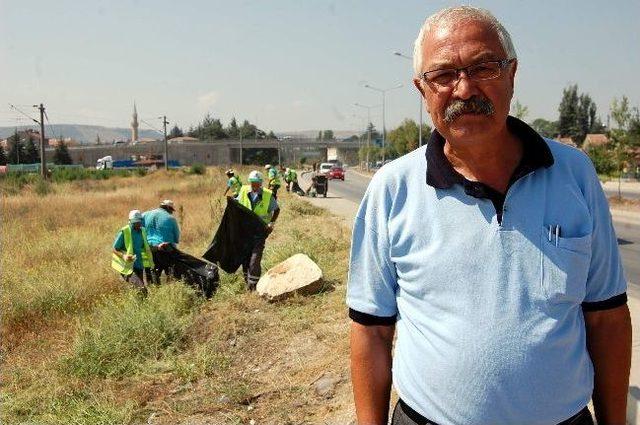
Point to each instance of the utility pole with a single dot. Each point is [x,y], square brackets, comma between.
[420,105]
[43,160]
[240,146]
[166,144]
[384,125]
[368,108]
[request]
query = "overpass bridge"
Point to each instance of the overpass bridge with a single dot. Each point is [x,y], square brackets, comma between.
[221,152]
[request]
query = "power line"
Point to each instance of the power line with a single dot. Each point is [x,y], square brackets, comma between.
[23,113]
[46,116]
[159,131]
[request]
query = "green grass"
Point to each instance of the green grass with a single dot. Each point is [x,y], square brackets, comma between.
[124,333]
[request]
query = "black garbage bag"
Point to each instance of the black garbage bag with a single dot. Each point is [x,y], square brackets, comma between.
[297,189]
[198,273]
[239,230]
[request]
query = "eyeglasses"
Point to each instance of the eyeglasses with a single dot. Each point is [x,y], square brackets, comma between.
[482,71]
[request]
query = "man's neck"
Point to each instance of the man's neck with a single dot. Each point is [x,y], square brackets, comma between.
[491,162]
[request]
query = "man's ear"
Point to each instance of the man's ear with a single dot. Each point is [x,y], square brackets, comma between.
[418,83]
[512,72]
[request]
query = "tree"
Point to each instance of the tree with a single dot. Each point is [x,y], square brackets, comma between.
[327,135]
[31,152]
[519,111]
[175,132]
[578,115]
[16,150]
[271,135]
[3,156]
[602,158]
[98,141]
[568,109]
[61,155]
[545,127]
[209,129]
[319,135]
[404,138]
[233,131]
[620,112]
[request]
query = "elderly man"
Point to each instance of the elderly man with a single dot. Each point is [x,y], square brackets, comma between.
[164,236]
[493,254]
[131,255]
[264,204]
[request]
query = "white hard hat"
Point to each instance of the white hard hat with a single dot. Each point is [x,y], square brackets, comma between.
[255,176]
[266,167]
[167,203]
[135,216]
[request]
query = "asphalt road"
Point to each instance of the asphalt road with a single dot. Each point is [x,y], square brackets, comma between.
[628,231]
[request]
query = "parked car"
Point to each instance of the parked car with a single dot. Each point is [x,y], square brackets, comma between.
[336,173]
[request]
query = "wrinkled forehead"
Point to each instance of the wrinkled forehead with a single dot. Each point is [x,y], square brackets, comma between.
[459,42]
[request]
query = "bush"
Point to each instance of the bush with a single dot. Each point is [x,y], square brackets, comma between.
[126,332]
[42,187]
[197,168]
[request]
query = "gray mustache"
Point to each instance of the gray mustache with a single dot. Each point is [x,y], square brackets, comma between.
[473,105]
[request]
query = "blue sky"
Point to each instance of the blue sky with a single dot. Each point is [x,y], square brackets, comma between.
[286,64]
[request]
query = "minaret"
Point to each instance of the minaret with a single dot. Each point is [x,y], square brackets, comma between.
[134,124]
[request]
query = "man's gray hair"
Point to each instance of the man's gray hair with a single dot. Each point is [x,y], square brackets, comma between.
[457,14]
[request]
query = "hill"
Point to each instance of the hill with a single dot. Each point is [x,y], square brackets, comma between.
[85,134]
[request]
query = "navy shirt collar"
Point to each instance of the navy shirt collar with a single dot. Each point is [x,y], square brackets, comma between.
[442,175]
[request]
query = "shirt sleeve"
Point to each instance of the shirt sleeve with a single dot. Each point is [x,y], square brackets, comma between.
[606,277]
[118,244]
[229,183]
[372,282]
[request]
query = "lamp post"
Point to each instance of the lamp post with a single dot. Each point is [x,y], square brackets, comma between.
[384,124]
[368,108]
[420,106]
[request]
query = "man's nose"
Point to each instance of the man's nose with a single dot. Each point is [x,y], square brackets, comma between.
[464,88]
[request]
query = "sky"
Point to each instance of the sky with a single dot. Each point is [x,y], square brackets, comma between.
[287,65]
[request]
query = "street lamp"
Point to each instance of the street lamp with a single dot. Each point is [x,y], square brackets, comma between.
[384,124]
[368,108]
[420,106]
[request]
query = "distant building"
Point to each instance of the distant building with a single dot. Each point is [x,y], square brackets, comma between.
[147,140]
[68,141]
[25,135]
[183,139]
[595,140]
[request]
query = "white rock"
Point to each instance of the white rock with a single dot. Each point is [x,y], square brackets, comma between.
[297,274]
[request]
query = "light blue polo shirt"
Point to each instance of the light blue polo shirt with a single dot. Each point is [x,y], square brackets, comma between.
[490,328]
[161,227]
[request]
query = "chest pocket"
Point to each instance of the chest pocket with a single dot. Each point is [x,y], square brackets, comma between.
[565,267]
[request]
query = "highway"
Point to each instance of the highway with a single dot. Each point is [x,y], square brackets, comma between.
[627,228]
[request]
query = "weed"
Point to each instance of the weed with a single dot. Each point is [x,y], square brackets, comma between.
[125,332]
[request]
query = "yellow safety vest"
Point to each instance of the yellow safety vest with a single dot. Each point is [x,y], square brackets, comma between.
[262,207]
[274,178]
[126,267]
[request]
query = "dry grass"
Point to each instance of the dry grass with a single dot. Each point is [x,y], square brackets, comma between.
[234,358]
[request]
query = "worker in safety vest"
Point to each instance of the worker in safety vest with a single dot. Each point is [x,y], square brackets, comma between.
[132,256]
[233,184]
[264,204]
[291,179]
[274,179]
